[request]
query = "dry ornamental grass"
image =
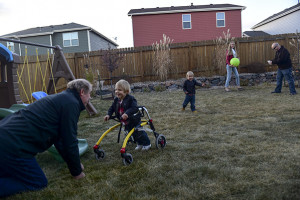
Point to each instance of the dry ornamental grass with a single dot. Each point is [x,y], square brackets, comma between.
[240,145]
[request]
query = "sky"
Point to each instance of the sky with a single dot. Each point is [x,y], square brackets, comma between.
[110,17]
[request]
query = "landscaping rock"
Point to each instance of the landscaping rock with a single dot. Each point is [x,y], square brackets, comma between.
[246,79]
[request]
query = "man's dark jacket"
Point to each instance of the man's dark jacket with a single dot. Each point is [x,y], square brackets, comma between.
[130,106]
[189,86]
[50,120]
[282,58]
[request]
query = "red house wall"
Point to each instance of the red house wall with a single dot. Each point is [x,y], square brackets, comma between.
[147,29]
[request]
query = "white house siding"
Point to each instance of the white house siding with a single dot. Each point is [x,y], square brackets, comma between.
[287,24]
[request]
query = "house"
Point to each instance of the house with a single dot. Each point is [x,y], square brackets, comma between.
[286,21]
[254,34]
[185,23]
[70,37]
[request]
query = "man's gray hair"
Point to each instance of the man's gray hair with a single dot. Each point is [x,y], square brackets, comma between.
[275,44]
[79,84]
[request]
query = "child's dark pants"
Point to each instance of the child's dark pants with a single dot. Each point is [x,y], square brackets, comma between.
[189,99]
[141,137]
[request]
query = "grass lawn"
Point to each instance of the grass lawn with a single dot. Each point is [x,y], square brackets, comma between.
[240,145]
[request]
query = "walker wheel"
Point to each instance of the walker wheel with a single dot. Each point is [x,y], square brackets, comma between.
[160,141]
[99,154]
[127,159]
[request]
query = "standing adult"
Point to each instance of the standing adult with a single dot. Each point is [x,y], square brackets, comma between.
[50,120]
[231,52]
[284,63]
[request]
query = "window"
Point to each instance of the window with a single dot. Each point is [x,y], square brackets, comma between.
[70,39]
[186,21]
[220,19]
[11,46]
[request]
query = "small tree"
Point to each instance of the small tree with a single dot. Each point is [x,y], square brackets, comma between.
[88,66]
[161,57]
[295,54]
[220,50]
[112,60]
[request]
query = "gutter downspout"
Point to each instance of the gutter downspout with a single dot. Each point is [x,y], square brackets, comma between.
[89,39]
[20,50]
[51,44]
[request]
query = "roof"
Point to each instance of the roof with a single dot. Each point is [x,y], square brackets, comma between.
[49,30]
[180,9]
[278,15]
[255,33]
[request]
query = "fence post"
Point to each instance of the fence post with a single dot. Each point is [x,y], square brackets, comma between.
[238,48]
[297,40]
[190,63]
[76,67]
[141,63]
[286,40]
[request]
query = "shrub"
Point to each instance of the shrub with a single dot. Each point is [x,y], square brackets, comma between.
[89,72]
[161,57]
[220,50]
[146,89]
[159,88]
[295,51]
[112,60]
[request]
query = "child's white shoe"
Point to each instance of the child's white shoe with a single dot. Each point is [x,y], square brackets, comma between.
[138,147]
[146,148]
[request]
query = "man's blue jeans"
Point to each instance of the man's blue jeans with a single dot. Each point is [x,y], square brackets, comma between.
[287,74]
[189,99]
[229,73]
[19,175]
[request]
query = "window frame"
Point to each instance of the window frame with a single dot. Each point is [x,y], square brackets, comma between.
[70,38]
[190,21]
[220,20]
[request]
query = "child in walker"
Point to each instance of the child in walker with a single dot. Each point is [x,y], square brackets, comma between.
[125,108]
[189,90]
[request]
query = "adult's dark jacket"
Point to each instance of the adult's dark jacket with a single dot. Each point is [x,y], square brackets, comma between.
[189,86]
[282,58]
[130,106]
[50,120]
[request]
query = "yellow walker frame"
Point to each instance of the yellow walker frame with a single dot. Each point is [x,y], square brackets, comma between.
[127,158]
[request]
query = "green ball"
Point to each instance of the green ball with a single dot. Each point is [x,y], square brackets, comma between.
[235,62]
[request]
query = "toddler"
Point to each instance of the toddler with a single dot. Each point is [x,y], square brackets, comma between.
[189,90]
[125,108]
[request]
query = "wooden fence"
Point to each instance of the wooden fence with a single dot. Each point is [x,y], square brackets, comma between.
[34,73]
[137,63]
